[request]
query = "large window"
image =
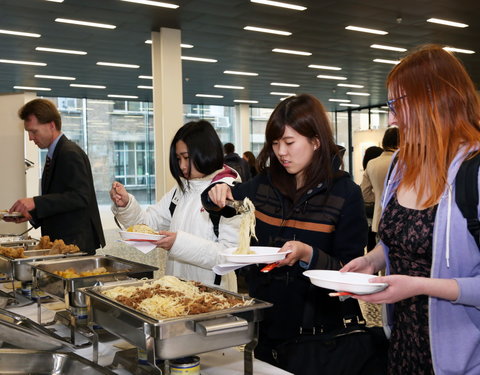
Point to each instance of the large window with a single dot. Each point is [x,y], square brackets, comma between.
[133,163]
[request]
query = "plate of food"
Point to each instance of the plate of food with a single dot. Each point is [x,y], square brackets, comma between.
[5,213]
[352,282]
[257,254]
[140,233]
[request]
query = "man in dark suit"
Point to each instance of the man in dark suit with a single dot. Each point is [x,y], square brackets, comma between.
[67,208]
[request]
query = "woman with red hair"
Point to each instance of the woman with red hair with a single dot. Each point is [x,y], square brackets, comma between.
[432,260]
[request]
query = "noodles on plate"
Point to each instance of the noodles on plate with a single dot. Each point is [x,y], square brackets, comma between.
[247,228]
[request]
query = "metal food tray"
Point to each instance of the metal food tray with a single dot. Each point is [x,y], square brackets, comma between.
[27,362]
[20,268]
[66,289]
[24,333]
[9,240]
[175,337]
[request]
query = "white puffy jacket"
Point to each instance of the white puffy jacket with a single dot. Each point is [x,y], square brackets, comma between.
[196,248]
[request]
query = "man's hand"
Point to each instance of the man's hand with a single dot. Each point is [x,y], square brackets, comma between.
[23,206]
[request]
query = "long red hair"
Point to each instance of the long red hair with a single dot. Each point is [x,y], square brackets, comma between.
[439,112]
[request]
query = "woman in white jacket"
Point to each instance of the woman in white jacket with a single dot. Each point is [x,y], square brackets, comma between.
[196,158]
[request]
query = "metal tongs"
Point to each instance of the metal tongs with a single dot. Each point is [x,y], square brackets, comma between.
[239,207]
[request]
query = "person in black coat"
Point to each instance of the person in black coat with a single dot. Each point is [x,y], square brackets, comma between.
[233,160]
[67,208]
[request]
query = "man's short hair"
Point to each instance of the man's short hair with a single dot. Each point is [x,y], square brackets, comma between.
[228,148]
[44,110]
[391,139]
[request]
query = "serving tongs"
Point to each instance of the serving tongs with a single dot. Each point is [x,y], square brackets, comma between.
[238,206]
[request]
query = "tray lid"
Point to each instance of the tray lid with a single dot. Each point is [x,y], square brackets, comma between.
[24,333]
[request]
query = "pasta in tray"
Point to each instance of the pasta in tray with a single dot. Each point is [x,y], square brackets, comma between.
[170,297]
[247,228]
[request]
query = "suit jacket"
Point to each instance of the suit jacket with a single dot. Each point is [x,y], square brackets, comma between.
[67,208]
[373,180]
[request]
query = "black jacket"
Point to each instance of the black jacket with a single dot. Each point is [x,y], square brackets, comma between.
[67,208]
[333,222]
[240,165]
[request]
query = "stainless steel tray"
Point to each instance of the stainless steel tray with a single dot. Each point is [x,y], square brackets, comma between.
[20,268]
[175,337]
[24,333]
[9,240]
[28,362]
[66,289]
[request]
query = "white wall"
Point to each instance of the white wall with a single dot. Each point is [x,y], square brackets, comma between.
[363,139]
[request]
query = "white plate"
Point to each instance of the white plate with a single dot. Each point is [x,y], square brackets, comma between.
[135,236]
[262,254]
[10,214]
[352,282]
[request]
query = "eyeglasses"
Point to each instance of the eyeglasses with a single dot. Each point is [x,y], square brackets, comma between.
[391,102]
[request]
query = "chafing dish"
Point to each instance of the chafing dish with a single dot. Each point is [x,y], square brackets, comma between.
[26,362]
[20,268]
[175,337]
[12,240]
[24,333]
[66,289]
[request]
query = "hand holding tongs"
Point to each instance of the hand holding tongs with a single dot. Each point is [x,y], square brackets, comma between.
[239,207]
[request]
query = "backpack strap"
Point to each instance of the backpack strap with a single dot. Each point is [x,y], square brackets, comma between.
[466,194]
[214,218]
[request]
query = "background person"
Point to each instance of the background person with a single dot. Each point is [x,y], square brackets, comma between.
[196,157]
[251,160]
[306,204]
[233,160]
[432,260]
[67,208]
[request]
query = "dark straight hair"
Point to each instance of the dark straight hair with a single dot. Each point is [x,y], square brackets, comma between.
[306,115]
[205,150]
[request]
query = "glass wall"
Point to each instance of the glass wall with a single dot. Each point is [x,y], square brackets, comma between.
[258,122]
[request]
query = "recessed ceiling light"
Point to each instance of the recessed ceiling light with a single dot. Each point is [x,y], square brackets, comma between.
[268,31]
[279,4]
[331,77]
[55,1]
[122,96]
[229,87]
[326,67]
[85,23]
[459,50]
[145,77]
[349,105]
[57,50]
[30,88]
[358,93]
[117,65]
[282,93]
[153,3]
[145,87]
[350,85]
[377,111]
[366,30]
[87,86]
[245,101]
[291,52]
[55,77]
[339,100]
[236,72]
[384,61]
[388,48]
[20,62]
[447,23]
[200,59]
[284,84]
[209,96]
[19,33]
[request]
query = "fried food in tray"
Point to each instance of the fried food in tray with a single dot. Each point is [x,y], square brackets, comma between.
[12,252]
[56,247]
[170,297]
[71,273]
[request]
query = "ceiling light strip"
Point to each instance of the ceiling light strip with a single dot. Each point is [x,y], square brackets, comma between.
[358,93]
[229,87]
[339,100]
[19,33]
[292,52]
[245,101]
[87,86]
[145,87]
[21,62]
[208,96]
[447,23]
[153,3]
[366,30]
[284,84]
[279,4]
[58,50]
[236,72]
[325,67]
[459,50]
[85,23]
[118,65]
[122,96]
[349,105]
[200,59]
[323,76]
[30,88]
[384,61]
[350,85]
[388,48]
[268,31]
[145,77]
[282,93]
[63,78]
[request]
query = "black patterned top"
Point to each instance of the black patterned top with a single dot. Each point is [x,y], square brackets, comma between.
[409,233]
